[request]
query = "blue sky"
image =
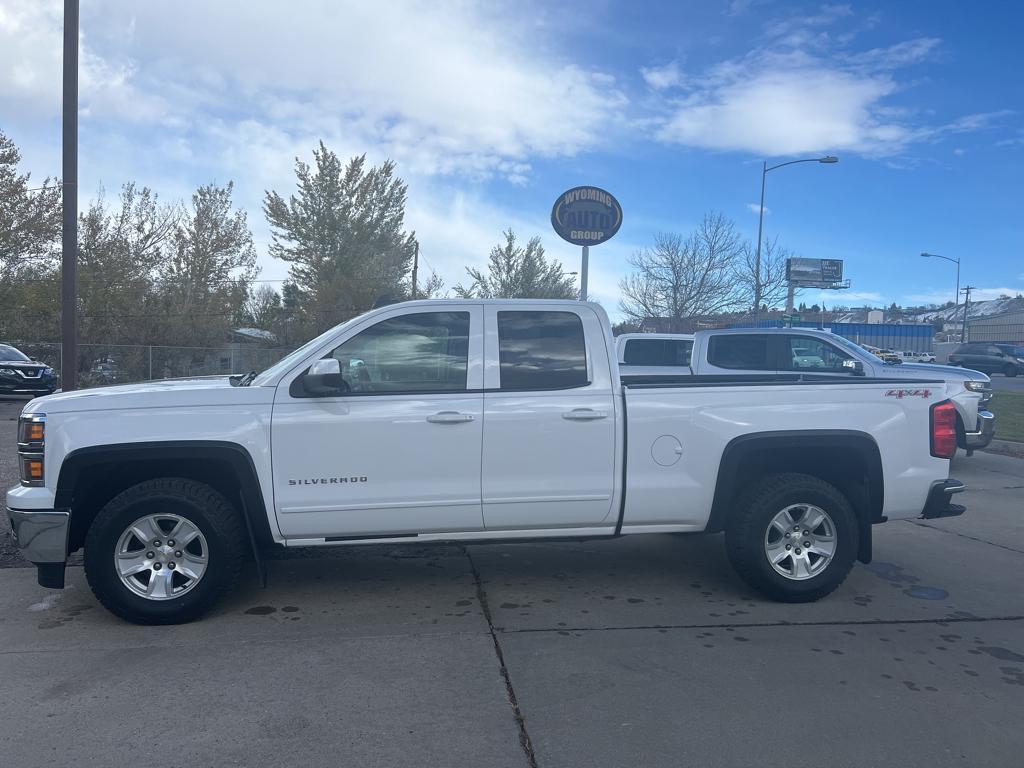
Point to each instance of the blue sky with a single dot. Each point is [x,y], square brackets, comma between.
[492,109]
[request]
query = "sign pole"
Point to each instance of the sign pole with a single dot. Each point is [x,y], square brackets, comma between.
[583,272]
[69,201]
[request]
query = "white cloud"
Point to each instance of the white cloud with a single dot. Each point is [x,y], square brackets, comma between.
[803,90]
[841,298]
[756,208]
[661,78]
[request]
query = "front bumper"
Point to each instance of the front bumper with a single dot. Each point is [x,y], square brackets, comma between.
[940,500]
[42,536]
[982,436]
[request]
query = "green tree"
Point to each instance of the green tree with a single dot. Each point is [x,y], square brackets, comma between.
[204,284]
[120,249]
[343,233]
[517,272]
[30,219]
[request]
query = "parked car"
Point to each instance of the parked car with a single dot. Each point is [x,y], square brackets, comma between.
[21,375]
[468,421]
[653,353]
[1007,359]
[916,357]
[822,353]
[885,355]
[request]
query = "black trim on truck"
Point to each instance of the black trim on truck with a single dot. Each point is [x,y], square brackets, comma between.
[116,467]
[758,380]
[823,453]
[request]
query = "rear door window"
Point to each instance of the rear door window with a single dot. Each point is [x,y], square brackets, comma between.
[658,352]
[740,352]
[541,350]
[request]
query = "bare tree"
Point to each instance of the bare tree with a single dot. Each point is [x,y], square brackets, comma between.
[680,278]
[773,273]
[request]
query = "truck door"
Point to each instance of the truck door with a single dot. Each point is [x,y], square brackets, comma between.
[549,419]
[399,452]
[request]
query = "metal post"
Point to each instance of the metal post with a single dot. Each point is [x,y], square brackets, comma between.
[415,267]
[150,362]
[69,197]
[967,302]
[583,272]
[790,296]
[956,303]
[757,257]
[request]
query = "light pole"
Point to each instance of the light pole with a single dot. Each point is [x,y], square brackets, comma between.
[828,159]
[956,299]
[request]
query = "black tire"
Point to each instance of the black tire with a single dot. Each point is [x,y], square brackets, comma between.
[1010,370]
[218,521]
[745,536]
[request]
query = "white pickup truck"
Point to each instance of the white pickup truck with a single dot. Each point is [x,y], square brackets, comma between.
[467,421]
[807,352]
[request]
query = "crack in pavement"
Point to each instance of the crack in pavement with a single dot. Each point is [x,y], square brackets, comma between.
[965,536]
[771,624]
[524,736]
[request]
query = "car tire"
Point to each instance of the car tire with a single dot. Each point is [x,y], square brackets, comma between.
[1010,370]
[754,537]
[163,580]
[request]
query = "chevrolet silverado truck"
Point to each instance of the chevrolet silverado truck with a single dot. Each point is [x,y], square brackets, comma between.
[817,353]
[466,421]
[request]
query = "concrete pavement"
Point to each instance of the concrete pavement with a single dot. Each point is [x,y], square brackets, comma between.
[642,651]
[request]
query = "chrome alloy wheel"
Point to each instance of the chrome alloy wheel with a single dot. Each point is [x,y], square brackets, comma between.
[161,556]
[800,541]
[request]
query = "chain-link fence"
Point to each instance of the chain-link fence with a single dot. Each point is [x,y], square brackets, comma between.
[102,364]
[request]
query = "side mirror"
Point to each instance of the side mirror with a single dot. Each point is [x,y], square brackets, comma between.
[855,367]
[324,379]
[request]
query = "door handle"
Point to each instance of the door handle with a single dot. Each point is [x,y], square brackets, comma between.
[449,417]
[584,414]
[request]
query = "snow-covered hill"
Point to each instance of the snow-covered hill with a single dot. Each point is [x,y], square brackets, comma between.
[977,309]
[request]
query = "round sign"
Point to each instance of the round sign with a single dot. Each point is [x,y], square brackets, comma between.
[586,216]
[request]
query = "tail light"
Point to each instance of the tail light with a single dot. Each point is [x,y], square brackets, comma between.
[943,430]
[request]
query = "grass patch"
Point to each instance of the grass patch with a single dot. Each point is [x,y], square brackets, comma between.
[1009,410]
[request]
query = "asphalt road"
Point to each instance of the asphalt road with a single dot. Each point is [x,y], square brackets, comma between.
[643,651]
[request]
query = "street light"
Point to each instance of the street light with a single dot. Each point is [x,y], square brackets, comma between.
[956,300]
[827,159]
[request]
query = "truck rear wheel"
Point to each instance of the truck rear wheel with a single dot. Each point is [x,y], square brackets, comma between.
[164,551]
[793,538]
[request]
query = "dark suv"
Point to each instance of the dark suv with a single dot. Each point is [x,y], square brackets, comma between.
[1007,359]
[20,375]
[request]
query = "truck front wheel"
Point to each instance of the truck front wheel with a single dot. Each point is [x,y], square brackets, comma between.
[793,537]
[164,551]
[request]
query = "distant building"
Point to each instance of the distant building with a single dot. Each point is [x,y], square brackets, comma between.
[876,316]
[1008,327]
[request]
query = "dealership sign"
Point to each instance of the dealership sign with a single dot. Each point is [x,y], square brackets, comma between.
[586,216]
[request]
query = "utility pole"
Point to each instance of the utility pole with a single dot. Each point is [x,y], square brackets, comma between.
[967,302]
[69,197]
[415,267]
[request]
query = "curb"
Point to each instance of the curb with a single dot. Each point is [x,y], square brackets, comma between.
[1006,448]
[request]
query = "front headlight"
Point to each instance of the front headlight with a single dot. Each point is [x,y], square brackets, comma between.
[975,386]
[6,372]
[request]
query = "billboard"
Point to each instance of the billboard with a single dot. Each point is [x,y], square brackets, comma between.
[814,271]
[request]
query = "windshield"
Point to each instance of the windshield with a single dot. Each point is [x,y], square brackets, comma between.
[1009,350]
[857,349]
[10,354]
[291,358]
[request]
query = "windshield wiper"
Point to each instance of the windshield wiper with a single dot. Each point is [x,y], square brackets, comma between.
[243,380]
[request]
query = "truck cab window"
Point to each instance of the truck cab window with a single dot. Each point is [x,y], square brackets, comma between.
[541,350]
[743,352]
[421,352]
[803,353]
